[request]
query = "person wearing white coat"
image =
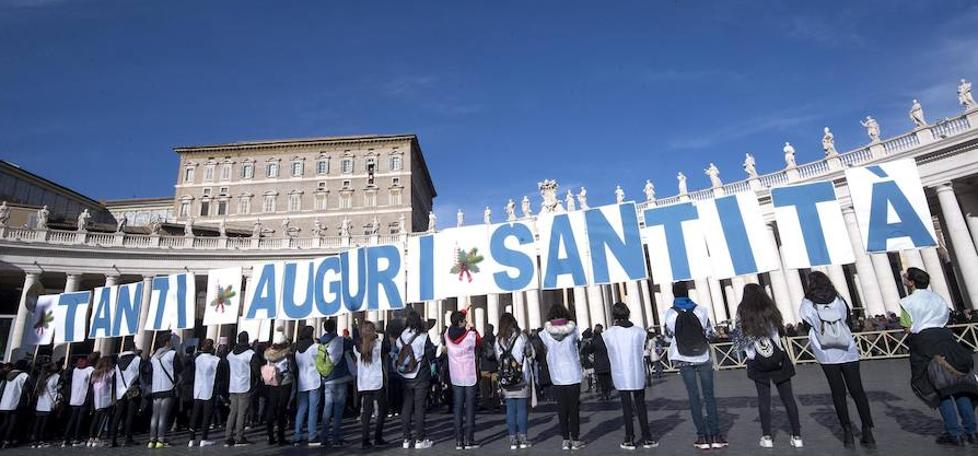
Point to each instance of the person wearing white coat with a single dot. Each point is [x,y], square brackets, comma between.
[561,339]
[205,371]
[15,386]
[47,392]
[102,399]
[626,350]
[163,390]
[511,350]
[370,353]
[128,392]
[79,381]
[309,384]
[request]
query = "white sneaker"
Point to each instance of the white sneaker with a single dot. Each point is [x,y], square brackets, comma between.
[406,444]
[206,443]
[767,441]
[190,444]
[796,442]
[423,444]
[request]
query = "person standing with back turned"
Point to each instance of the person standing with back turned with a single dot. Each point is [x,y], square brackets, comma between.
[626,346]
[688,325]
[835,350]
[243,370]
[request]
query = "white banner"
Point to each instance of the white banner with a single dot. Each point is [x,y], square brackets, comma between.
[172,304]
[737,236]
[810,223]
[69,316]
[890,206]
[676,244]
[223,301]
[43,322]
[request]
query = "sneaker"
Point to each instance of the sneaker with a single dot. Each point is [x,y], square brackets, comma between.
[206,443]
[796,442]
[459,445]
[161,445]
[151,445]
[718,442]
[649,443]
[423,444]
[79,444]
[565,445]
[702,443]
[242,442]
[514,443]
[766,442]
[229,443]
[949,440]
[406,444]
[190,444]
[524,442]
[627,445]
[472,446]
[578,445]
[314,444]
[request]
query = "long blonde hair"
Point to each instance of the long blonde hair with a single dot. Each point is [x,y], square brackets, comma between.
[368,338]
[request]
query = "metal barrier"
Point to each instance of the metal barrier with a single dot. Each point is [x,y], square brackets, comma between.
[888,344]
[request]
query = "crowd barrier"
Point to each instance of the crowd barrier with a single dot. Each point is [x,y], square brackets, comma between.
[872,345]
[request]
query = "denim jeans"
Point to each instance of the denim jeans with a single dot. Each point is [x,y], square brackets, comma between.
[308,411]
[704,372]
[463,401]
[951,407]
[517,416]
[334,397]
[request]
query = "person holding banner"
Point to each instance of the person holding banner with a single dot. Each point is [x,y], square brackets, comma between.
[308,388]
[128,392]
[15,387]
[834,347]
[79,379]
[413,363]
[625,344]
[335,384]
[243,373]
[463,344]
[371,352]
[205,373]
[560,338]
[103,378]
[689,328]
[514,379]
[46,390]
[278,375]
[165,372]
[759,328]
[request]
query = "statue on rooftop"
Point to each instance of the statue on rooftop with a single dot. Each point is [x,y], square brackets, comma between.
[619,194]
[83,219]
[510,210]
[750,165]
[649,191]
[872,128]
[582,198]
[964,95]
[569,201]
[525,206]
[917,114]
[42,218]
[714,174]
[682,183]
[828,143]
[789,156]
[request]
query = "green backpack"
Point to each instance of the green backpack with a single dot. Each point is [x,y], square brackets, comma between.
[324,364]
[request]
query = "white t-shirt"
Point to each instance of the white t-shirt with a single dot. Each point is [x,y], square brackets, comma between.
[417,345]
[205,371]
[370,376]
[239,366]
[102,391]
[12,392]
[163,374]
[309,378]
[80,379]
[49,394]
[626,348]
[563,357]
[126,378]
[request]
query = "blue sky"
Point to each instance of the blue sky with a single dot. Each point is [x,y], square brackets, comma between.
[502,94]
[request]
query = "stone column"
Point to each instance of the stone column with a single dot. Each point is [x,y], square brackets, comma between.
[492,309]
[873,303]
[479,315]
[663,304]
[144,339]
[716,295]
[964,247]
[580,308]
[106,345]
[703,295]
[838,276]
[779,285]
[643,289]
[534,319]
[886,281]
[595,305]
[934,267]
[21,320]
[972,221]
[634,300]
[911,259]
[519,309]
[737,282]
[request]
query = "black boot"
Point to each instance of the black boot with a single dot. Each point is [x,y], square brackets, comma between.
[848,440]
[867,440]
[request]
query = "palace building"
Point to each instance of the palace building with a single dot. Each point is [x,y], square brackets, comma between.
[242,203]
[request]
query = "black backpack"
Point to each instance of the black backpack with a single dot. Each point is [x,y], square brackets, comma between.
[510,370]
[768,356]
[690,336]
[543,369]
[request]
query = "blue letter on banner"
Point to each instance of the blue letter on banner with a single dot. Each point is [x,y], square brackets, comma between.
[162,285]
[264,297]
[805,199]
[561,232]
[328,307]
[671,218]
[626,249]
[887,194]
[377,278]
[101,318]
[293,310]
[735,233]
[354,302]
[426,263]
[512,258]
[72,301]
[127,307]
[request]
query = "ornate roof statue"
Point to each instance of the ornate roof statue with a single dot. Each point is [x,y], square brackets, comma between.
[569,201]
[828,143]
[525,206]
[400,224]
[510,210]
[964,95]
[120,225]
[714,174]
[257,230]
[750,165]
[155,225]
[619,194]
[432,219]
[222,228]
[682,183]
[83,219]
[789,156]
[548,191]
[459,218]
[917,114]
[318,230]
[374,226]
[4,214]
[649,191]
[872,128]
[42,218]
[582,198]
[487,216]
[288,229]
[188,227]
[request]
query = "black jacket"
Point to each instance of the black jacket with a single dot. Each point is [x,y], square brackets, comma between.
[602,364]
[929,343]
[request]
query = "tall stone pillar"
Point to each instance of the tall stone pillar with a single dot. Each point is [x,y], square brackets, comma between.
[737,282]
[519,309]
[31,279]
[663,304]
[643,289]
[634,303]
[779,285]
[534,319]
[580,308]
[595,305]
[703,295]
[492,310]
[873,302]
[716,295]
[886,281]
[143,339]
[838,276]
[961,241]
[934,267]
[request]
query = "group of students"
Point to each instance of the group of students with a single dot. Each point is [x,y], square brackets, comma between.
[548,361]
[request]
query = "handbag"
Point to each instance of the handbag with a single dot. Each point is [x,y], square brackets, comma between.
[942,374]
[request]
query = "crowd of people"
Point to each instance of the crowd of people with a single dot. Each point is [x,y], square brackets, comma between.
[301,391]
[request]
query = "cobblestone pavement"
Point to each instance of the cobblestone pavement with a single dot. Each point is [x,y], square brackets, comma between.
[904,426]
